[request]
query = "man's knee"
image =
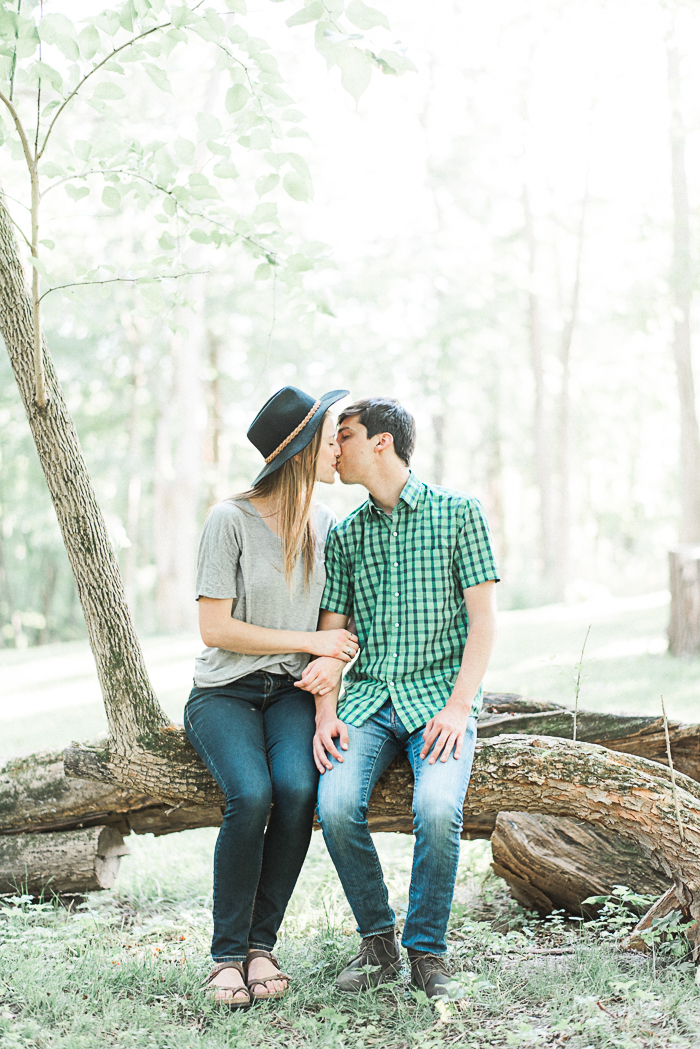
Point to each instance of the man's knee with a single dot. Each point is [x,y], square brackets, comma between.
[339,801]
[436,810]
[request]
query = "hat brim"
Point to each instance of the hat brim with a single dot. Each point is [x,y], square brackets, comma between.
[304,437]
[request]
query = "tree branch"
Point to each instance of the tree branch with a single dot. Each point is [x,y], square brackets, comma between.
[20,130]
[123,280]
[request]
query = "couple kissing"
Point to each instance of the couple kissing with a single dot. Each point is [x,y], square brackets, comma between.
[404,588]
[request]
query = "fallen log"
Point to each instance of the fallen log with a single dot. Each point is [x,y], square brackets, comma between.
[554,862]
[76,861]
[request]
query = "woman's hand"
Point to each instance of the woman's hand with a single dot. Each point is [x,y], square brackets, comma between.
[321,676]
[339,644]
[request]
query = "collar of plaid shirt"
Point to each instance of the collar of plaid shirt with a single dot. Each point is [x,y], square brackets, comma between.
[403,577]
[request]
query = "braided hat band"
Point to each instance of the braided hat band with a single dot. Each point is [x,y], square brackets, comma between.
[280,448]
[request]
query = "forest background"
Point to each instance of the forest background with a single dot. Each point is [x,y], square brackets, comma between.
[489,238]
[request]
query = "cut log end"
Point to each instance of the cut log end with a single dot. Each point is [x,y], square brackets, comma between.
[76,861]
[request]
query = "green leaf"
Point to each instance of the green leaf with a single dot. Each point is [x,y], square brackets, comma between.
[219,149]
[54,25]
[298,132]
[166,242]
[297,187]
[39,266]
[263,271]
[355,71]
[311,13]
[265,213]
[89,41]
[299,263]
[292,115]
[278,93]
[169,206]
[236,98]
[237,5]
[184,150]
[82,149]
[209,126]
[399,63]
[365,17]
[225,169]
[265,184]
[299,164]
[237,34]
[158,76]
[260,139]
[76,192]
[200,237]
[50,244]
[205,193]
[109,91]
[43,71]
[111,197]
[51,170]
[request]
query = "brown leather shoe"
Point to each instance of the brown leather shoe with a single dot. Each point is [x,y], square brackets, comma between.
[377,961]
[430,974]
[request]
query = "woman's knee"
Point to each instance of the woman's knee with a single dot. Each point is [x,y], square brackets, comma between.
[249,801]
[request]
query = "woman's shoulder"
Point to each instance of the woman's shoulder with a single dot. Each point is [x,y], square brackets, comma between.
[325,520]
[229,513]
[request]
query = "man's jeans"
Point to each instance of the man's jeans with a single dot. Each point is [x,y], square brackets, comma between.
[255,737]
[438,797]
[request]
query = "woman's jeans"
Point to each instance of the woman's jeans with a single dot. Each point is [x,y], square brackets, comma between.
[255,737]
[438,798]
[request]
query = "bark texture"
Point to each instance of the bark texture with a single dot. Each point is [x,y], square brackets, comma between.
[73,861]
[682,285]
[129,700]
[553,862]
[684,625]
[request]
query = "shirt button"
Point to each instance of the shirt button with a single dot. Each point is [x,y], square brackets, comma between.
[396,655]
[394,533]
[396,564]
[396,594]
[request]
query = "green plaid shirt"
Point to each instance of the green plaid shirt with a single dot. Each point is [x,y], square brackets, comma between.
[403,577]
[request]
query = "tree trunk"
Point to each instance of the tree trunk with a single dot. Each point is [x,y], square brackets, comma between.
[682,288]
[132,710]
[74,861]
[543,466]
[684,625]
[563,568]
[553,862]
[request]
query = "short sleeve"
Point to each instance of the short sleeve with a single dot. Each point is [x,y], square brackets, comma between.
[219,554]
[338,593]
[474,556]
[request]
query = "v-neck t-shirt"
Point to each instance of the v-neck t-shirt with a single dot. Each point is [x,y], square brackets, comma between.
[240,559]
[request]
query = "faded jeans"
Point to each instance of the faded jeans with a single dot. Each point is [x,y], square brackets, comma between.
[438,796]
[255,737]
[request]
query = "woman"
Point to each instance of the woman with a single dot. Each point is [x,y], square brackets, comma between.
[260,578]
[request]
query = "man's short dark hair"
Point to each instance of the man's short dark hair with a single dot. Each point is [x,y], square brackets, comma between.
[385,415]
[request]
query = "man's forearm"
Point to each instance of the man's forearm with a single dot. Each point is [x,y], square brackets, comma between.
[475,661]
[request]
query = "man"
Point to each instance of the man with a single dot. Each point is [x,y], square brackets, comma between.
[413,566]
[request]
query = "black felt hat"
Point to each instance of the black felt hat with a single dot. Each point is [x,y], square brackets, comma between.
[286,424]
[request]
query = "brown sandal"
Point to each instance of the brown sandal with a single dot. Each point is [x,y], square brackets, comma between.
[250,984]
[210,988]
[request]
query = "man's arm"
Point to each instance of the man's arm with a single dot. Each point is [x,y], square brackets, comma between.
[449,725]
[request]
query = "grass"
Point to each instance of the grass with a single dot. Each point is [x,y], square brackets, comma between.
[123,969]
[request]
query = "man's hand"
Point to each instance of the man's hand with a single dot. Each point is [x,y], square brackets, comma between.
[321,676]
[328,727]
[448,728]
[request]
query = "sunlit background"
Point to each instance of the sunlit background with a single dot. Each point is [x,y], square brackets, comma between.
[496,237]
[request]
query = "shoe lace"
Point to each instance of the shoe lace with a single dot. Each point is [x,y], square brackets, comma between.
[432,963]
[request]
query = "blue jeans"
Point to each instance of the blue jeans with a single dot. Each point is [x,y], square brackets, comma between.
[438,797]
[255,737]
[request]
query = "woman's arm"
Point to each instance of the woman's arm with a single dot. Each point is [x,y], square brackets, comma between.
[220,630]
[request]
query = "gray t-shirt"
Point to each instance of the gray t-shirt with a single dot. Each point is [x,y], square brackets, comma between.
[240,558]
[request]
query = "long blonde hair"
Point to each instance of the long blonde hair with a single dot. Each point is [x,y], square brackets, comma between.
[292,488]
